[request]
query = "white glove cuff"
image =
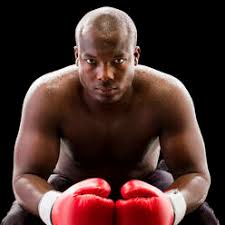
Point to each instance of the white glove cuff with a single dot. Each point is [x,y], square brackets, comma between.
[179,205]
[45,206]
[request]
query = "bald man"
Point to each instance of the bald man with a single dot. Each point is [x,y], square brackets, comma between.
[110,118]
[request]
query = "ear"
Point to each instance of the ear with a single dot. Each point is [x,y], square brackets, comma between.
[75,48]
[137,53]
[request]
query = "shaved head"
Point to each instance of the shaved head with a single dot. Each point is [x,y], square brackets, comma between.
[107,21]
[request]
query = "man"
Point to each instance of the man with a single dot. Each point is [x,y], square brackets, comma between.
[108,118]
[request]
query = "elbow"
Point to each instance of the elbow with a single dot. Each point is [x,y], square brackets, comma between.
[206,176]
[20,181]
[206,183]
[15,180]
[199,191]
[16,183]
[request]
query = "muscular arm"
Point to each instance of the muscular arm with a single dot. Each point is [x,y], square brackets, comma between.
[36,148]
[183,147]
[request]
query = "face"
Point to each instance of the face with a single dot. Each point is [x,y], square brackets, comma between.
[106,66]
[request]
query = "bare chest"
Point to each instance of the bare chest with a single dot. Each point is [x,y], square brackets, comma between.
[120,138]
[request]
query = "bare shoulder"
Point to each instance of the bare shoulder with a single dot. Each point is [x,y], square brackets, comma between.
[161,85]
[166,95]
[52,85]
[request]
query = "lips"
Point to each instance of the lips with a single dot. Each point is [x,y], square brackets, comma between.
[107,90]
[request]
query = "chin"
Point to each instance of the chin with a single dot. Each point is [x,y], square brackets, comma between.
[109,99]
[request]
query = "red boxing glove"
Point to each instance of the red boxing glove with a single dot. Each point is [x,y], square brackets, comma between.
[84,203]
[143,204]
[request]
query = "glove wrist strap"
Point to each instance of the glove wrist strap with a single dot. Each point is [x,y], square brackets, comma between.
[45,206]
[179,204]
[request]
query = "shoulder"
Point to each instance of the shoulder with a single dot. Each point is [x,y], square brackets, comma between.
[160,84]
[45,100]
[51,86]
[164,93]
[156,78]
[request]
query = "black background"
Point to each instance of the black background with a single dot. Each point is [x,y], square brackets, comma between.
[181,39]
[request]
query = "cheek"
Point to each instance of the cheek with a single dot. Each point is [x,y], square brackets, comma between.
[84,73]
[83,76]
[128,77]
[87,78]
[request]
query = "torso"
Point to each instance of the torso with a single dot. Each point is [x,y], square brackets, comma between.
[117,146]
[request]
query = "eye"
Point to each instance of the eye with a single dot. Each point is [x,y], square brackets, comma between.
[90,61]
[119,61]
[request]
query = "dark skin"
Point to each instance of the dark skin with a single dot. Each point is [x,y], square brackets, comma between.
[103,117]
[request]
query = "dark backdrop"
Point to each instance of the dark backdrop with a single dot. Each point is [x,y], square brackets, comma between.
[181,39]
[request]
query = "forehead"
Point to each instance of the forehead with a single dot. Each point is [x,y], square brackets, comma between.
[93,41]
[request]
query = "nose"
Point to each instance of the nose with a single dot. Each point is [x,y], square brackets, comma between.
[105,72]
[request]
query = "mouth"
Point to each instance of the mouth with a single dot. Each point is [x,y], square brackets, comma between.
[107,90]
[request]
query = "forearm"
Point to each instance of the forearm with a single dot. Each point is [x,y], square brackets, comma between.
[29,189]
[194,187]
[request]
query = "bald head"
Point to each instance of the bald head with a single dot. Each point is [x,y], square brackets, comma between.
[107,22]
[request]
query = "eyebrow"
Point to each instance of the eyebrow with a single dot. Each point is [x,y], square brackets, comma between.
[119,55]
[88,55]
